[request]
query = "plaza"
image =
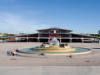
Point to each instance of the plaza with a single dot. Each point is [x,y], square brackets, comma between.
[90,59]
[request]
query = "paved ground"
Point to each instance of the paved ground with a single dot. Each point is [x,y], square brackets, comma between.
[91,59]
[46,65]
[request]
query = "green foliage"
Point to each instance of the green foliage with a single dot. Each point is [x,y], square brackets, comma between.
[96,35]
[5,36]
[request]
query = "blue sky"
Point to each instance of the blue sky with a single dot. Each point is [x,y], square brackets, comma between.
[26,16]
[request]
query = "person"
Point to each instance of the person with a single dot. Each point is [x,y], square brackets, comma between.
[8,52]
[70,56]
[67,46]
[11,53]
[17,50]
[98,41]
[62,45]
[42,54]
[14,51]
[43,44]
[46,45]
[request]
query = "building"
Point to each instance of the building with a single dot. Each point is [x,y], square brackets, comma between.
[4,37]
[63,35]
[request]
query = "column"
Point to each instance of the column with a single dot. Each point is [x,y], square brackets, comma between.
[27,38]
[60,39]
[60,36]
[82,40]
[70,36]
[38,37]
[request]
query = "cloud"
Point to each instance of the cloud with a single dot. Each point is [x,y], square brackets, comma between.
[23,23]
[14,24]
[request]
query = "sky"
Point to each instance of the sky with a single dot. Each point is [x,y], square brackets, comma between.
[27,16]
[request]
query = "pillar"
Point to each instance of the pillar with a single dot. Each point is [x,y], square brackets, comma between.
[70,37]
[82,40]
[60,40]
[38,37]
[27,38]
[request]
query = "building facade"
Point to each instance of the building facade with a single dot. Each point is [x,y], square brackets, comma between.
[63,35]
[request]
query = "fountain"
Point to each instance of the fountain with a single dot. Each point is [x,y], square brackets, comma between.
[54,47]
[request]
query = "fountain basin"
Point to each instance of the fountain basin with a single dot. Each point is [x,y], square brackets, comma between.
[55,51]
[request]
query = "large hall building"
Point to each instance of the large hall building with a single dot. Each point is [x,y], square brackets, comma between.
[63,35]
